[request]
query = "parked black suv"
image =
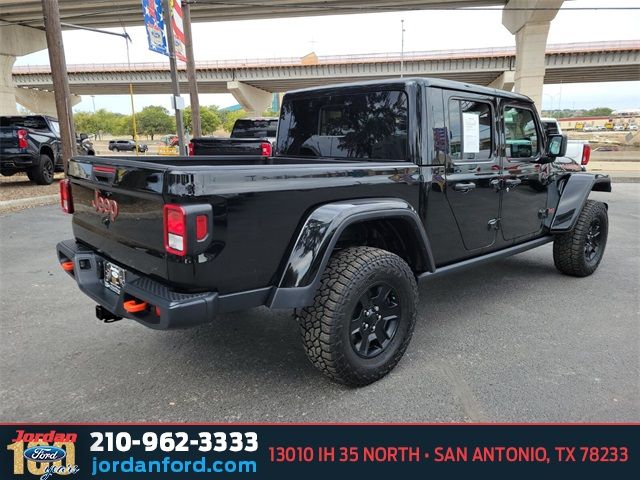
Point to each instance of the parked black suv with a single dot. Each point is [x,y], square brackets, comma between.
[374,188]
[126,146]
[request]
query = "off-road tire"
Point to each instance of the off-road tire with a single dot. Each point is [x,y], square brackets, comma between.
[569,249]
[42,174]
[325,326]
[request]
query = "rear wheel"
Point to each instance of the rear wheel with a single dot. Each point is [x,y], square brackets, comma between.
[42,174]
[363,316]
[579,252]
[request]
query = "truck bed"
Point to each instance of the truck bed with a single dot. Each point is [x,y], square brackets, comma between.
[257,203]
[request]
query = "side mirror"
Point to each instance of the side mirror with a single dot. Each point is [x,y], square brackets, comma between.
[83,136]
[556,146]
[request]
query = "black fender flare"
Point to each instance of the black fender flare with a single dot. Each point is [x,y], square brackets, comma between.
[574,196]
[318,236]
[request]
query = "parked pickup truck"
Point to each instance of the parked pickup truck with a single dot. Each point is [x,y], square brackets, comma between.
[249,136]
[374,187]
[31,144]
[578,152]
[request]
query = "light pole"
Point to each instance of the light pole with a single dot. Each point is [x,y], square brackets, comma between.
[175,85]
[402,48]
[93,101]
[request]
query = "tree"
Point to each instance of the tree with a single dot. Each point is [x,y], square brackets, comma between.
[85,122]
[599,112]
[123,126]
[153,120]
[96,122]
[209,119]
[230,118]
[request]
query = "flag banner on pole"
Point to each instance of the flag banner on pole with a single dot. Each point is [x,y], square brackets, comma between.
[178,30]
[154,23]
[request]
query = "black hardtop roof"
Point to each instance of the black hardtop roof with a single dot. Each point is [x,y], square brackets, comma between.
[30,116]
[426,81]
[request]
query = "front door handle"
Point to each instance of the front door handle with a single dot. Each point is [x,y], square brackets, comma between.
[464,186]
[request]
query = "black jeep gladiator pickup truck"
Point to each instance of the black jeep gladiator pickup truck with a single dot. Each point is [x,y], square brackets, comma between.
[373,188]
[249,136]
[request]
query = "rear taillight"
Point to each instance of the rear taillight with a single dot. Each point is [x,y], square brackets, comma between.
[175,230]
[22,138]
[202,227]
[586,154]
[66,199]
[265,149]
[190,148]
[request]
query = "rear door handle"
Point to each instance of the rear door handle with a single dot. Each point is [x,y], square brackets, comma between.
[464,186]
[512,182]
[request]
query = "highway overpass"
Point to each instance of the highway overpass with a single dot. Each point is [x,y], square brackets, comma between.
[568,63]
[528,20]
[115,13]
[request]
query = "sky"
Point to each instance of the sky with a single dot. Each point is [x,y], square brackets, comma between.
[364,33]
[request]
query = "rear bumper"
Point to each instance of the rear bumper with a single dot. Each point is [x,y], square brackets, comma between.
[176,310]
[17,161]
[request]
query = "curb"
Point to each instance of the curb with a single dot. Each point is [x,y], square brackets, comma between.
[625,179]
[28,202]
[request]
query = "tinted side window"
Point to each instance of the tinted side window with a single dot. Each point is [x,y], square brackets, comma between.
[520,133]
[254,128]
[470,130]
[55,126]
[35,122]
[369,125]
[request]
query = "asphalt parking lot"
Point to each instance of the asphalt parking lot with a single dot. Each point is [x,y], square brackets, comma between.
[512,341]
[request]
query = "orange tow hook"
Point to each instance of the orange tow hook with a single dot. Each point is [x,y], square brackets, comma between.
[67,266]
[132,306]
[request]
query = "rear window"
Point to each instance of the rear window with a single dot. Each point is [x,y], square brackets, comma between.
[254,128]
[36,123]
[370,125]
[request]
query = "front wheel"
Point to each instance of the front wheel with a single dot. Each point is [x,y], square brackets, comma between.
[363,316]
[579,252]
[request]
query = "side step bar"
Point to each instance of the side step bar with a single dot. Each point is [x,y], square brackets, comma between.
[489,257]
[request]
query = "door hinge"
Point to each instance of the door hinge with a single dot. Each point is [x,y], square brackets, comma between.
[493,224]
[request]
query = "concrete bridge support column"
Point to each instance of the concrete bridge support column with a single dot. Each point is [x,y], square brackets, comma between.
[504,81]
[15,41]
[531,28]
[40,101]
[253,100]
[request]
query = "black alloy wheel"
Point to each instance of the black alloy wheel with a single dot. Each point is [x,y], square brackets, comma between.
[363,315]
[592,244]
[48,170]
[375,320]
[579,251]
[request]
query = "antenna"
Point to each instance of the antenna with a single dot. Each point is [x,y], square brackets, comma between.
[402,48]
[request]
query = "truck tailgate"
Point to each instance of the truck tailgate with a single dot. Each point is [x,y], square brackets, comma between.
[8,138]
[118,211]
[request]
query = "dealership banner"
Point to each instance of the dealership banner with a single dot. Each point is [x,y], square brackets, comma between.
[310,451]
[154,24]
[178,30]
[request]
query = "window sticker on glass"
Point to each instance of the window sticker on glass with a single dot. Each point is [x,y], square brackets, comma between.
[471,132]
